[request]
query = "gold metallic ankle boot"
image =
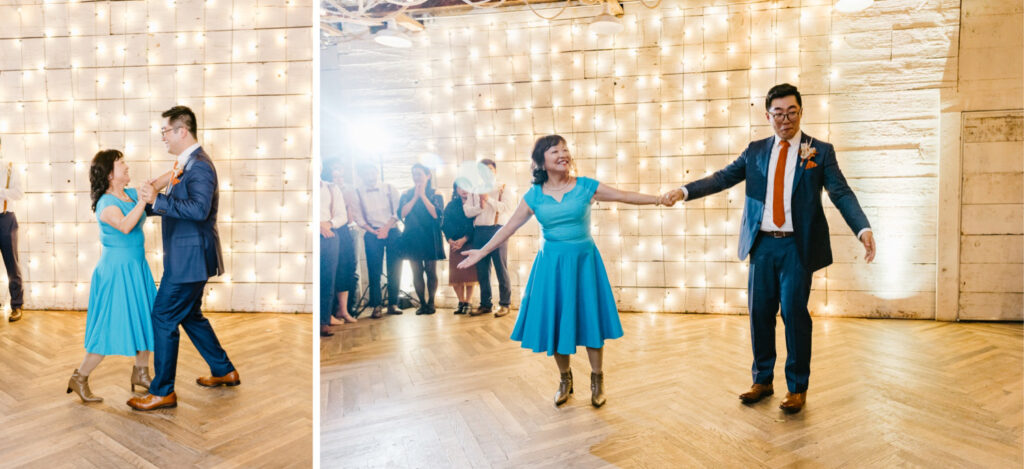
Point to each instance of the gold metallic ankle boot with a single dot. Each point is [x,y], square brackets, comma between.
[140,377]
[597,389]
[80,384]
[564,388]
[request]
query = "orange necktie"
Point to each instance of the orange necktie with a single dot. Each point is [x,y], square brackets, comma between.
[778,204]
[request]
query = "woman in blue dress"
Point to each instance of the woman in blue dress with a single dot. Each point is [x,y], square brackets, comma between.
[568,300]
[122,290]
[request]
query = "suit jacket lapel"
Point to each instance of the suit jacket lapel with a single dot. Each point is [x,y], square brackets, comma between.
[184,169]
[799,167]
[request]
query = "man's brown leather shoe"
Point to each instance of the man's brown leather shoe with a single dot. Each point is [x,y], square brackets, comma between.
[378,312]
[502,311]
[793,402]
[480,310]
[151,402]
[756,393]
[15,315]
[230,379]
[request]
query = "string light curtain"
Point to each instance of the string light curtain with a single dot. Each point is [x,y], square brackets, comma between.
[676,95]
[77,77]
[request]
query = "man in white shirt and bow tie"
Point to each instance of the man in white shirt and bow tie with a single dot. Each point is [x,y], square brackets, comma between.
[376,207]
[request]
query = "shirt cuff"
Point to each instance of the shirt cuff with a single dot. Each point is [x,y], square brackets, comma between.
[686,193]
[861,232]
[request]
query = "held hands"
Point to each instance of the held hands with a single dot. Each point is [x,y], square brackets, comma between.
[147,193]
[670,198]
[868,240]
[472,257]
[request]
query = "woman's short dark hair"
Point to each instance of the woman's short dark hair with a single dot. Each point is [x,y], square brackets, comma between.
[540,175]
[99,173]
[781,91]
[430,178]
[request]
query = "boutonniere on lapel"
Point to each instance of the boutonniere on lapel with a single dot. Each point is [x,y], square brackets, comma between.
[175,173]
[807,153]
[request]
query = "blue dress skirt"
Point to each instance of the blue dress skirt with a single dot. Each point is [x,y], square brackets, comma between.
[122,290]
[568,300]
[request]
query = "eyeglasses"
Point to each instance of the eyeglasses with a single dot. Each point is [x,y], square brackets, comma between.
[163,131]
[779,116]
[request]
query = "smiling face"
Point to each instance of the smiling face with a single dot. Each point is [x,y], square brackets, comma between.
[784,115]
[557,158]
[174,137]
[119,176]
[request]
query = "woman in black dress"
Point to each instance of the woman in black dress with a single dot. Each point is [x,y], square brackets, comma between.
[458,228]
[420,208]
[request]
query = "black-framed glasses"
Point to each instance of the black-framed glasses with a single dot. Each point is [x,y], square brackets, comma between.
[779,116]
[163,131]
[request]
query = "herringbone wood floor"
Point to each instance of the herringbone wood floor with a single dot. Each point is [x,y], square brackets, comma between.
[265,422]
[454,391]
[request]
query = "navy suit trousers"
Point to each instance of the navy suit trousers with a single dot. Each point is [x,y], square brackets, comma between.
[779,278]
[178,304]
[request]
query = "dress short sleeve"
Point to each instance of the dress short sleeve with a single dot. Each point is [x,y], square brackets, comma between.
[532,197]
[589,186]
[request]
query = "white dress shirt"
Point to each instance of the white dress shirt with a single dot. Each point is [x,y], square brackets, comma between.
[9,192]
[495,211]
[767,220]
[376,206]
[183,157]
[333,206]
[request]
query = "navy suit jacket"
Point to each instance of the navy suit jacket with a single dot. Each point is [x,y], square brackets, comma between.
[189,211]
[809,225]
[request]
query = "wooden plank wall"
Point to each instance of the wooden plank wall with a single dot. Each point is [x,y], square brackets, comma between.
[992,217]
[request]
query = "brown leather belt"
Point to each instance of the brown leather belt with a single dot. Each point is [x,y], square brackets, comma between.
[777,234]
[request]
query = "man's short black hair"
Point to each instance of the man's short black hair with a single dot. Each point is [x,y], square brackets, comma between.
[489,162]
[183,116]
[781,91]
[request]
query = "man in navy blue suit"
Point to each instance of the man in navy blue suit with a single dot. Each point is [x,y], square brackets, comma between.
[191,256]
[786,235]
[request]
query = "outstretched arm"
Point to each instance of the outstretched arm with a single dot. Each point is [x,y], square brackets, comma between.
[717,182]
[517,220]
[844,199]
[606,193]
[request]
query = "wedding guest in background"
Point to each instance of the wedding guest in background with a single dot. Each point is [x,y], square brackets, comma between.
[10,191]
[334,219]
[377,213]
[489,212]
[346,282]
[122,290]
[458,228]
[422,243]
